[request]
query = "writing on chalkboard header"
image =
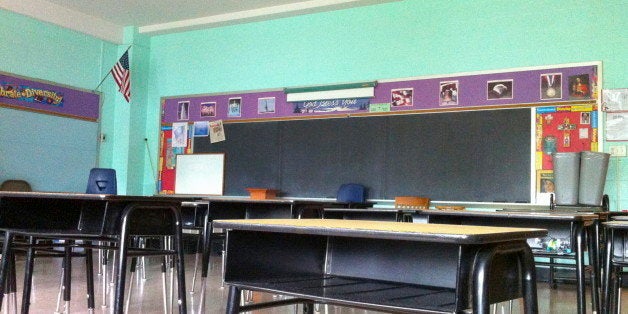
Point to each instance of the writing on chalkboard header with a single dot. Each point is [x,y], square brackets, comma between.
[332,105]
[29,94]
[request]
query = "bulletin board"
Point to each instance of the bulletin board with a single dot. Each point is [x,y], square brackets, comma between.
[263,123]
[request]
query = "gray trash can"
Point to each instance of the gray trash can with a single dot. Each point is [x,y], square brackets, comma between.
[593,168]
[566,177]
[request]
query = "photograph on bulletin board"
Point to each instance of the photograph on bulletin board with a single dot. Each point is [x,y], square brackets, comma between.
[401,97]
[448,93]
[499,89]
[551,86]
[235,107]
[208,109]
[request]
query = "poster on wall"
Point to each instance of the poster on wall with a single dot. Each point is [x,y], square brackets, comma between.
[617,126]
[179,134]
[561,129]
[332,105]
[235,107]
[217,131]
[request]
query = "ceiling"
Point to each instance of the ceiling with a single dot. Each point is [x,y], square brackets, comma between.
[106,19]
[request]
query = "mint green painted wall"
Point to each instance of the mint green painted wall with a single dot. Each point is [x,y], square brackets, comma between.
[394,40]
[53,153]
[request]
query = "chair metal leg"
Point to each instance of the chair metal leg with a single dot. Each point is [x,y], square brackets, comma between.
[164,285]
[131,277]
[28,275]
[89,273]
[60,293]
[104,278]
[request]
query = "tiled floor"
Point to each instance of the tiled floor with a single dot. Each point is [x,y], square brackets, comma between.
[147,294]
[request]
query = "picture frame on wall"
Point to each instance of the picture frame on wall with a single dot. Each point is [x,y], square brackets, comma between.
[235,107]
[448,93]
[208,109]
[579,86]
[183,112]
[266,105]
[551,86]
[401,97]
[500,89]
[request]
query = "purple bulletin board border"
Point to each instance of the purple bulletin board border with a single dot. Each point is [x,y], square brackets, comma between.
[471,94]
[75,103]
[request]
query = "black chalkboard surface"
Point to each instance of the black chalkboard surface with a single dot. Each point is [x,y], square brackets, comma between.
[474,156]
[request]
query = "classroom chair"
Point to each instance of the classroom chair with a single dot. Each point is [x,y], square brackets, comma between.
[15,185]
[102,181]
[352,194]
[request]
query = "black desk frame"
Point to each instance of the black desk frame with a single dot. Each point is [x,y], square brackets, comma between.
[435,274]
[89,217]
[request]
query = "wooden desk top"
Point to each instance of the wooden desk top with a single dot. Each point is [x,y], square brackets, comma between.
[458,234]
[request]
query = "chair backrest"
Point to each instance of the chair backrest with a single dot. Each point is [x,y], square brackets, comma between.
[102,181]
[351,193]
[16,186]
[413,202]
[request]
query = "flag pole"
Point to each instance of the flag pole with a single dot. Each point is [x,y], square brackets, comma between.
[109,72]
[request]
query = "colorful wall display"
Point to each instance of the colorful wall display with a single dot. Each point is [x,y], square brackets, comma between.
[563,128]
[46,97]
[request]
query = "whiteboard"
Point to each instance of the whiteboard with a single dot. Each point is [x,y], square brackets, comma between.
[200,174]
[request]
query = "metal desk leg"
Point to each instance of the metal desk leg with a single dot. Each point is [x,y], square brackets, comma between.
[4,263]
[594,246]
[233,301]
[608,261]
[482,269]
[206,249]
[529,281]
[579,232]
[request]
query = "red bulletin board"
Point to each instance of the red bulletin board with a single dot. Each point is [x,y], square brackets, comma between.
[167,159]
[562,129]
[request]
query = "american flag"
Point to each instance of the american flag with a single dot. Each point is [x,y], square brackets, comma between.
[122,76]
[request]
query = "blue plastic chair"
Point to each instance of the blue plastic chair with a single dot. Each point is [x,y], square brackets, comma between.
[351,193]
[102,181]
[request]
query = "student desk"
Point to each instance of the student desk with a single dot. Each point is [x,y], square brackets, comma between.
[91,217]
[615,258]
[379,214]
[571,225]
[388,266]
[202,212]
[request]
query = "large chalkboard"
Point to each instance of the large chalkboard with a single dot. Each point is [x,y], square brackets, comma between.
[476,156]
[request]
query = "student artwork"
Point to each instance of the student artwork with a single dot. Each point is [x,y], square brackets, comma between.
[401,97]
[448,93]
[182,110]
[551,86]
[266,105]
[208,109]
[201,128]
[235,107]
[499,89]
[579,87]
[179,134]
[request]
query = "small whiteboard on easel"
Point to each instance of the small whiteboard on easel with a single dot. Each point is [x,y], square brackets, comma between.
[200,174]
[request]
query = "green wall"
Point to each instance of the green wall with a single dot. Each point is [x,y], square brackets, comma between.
[394,40]
[53,153]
